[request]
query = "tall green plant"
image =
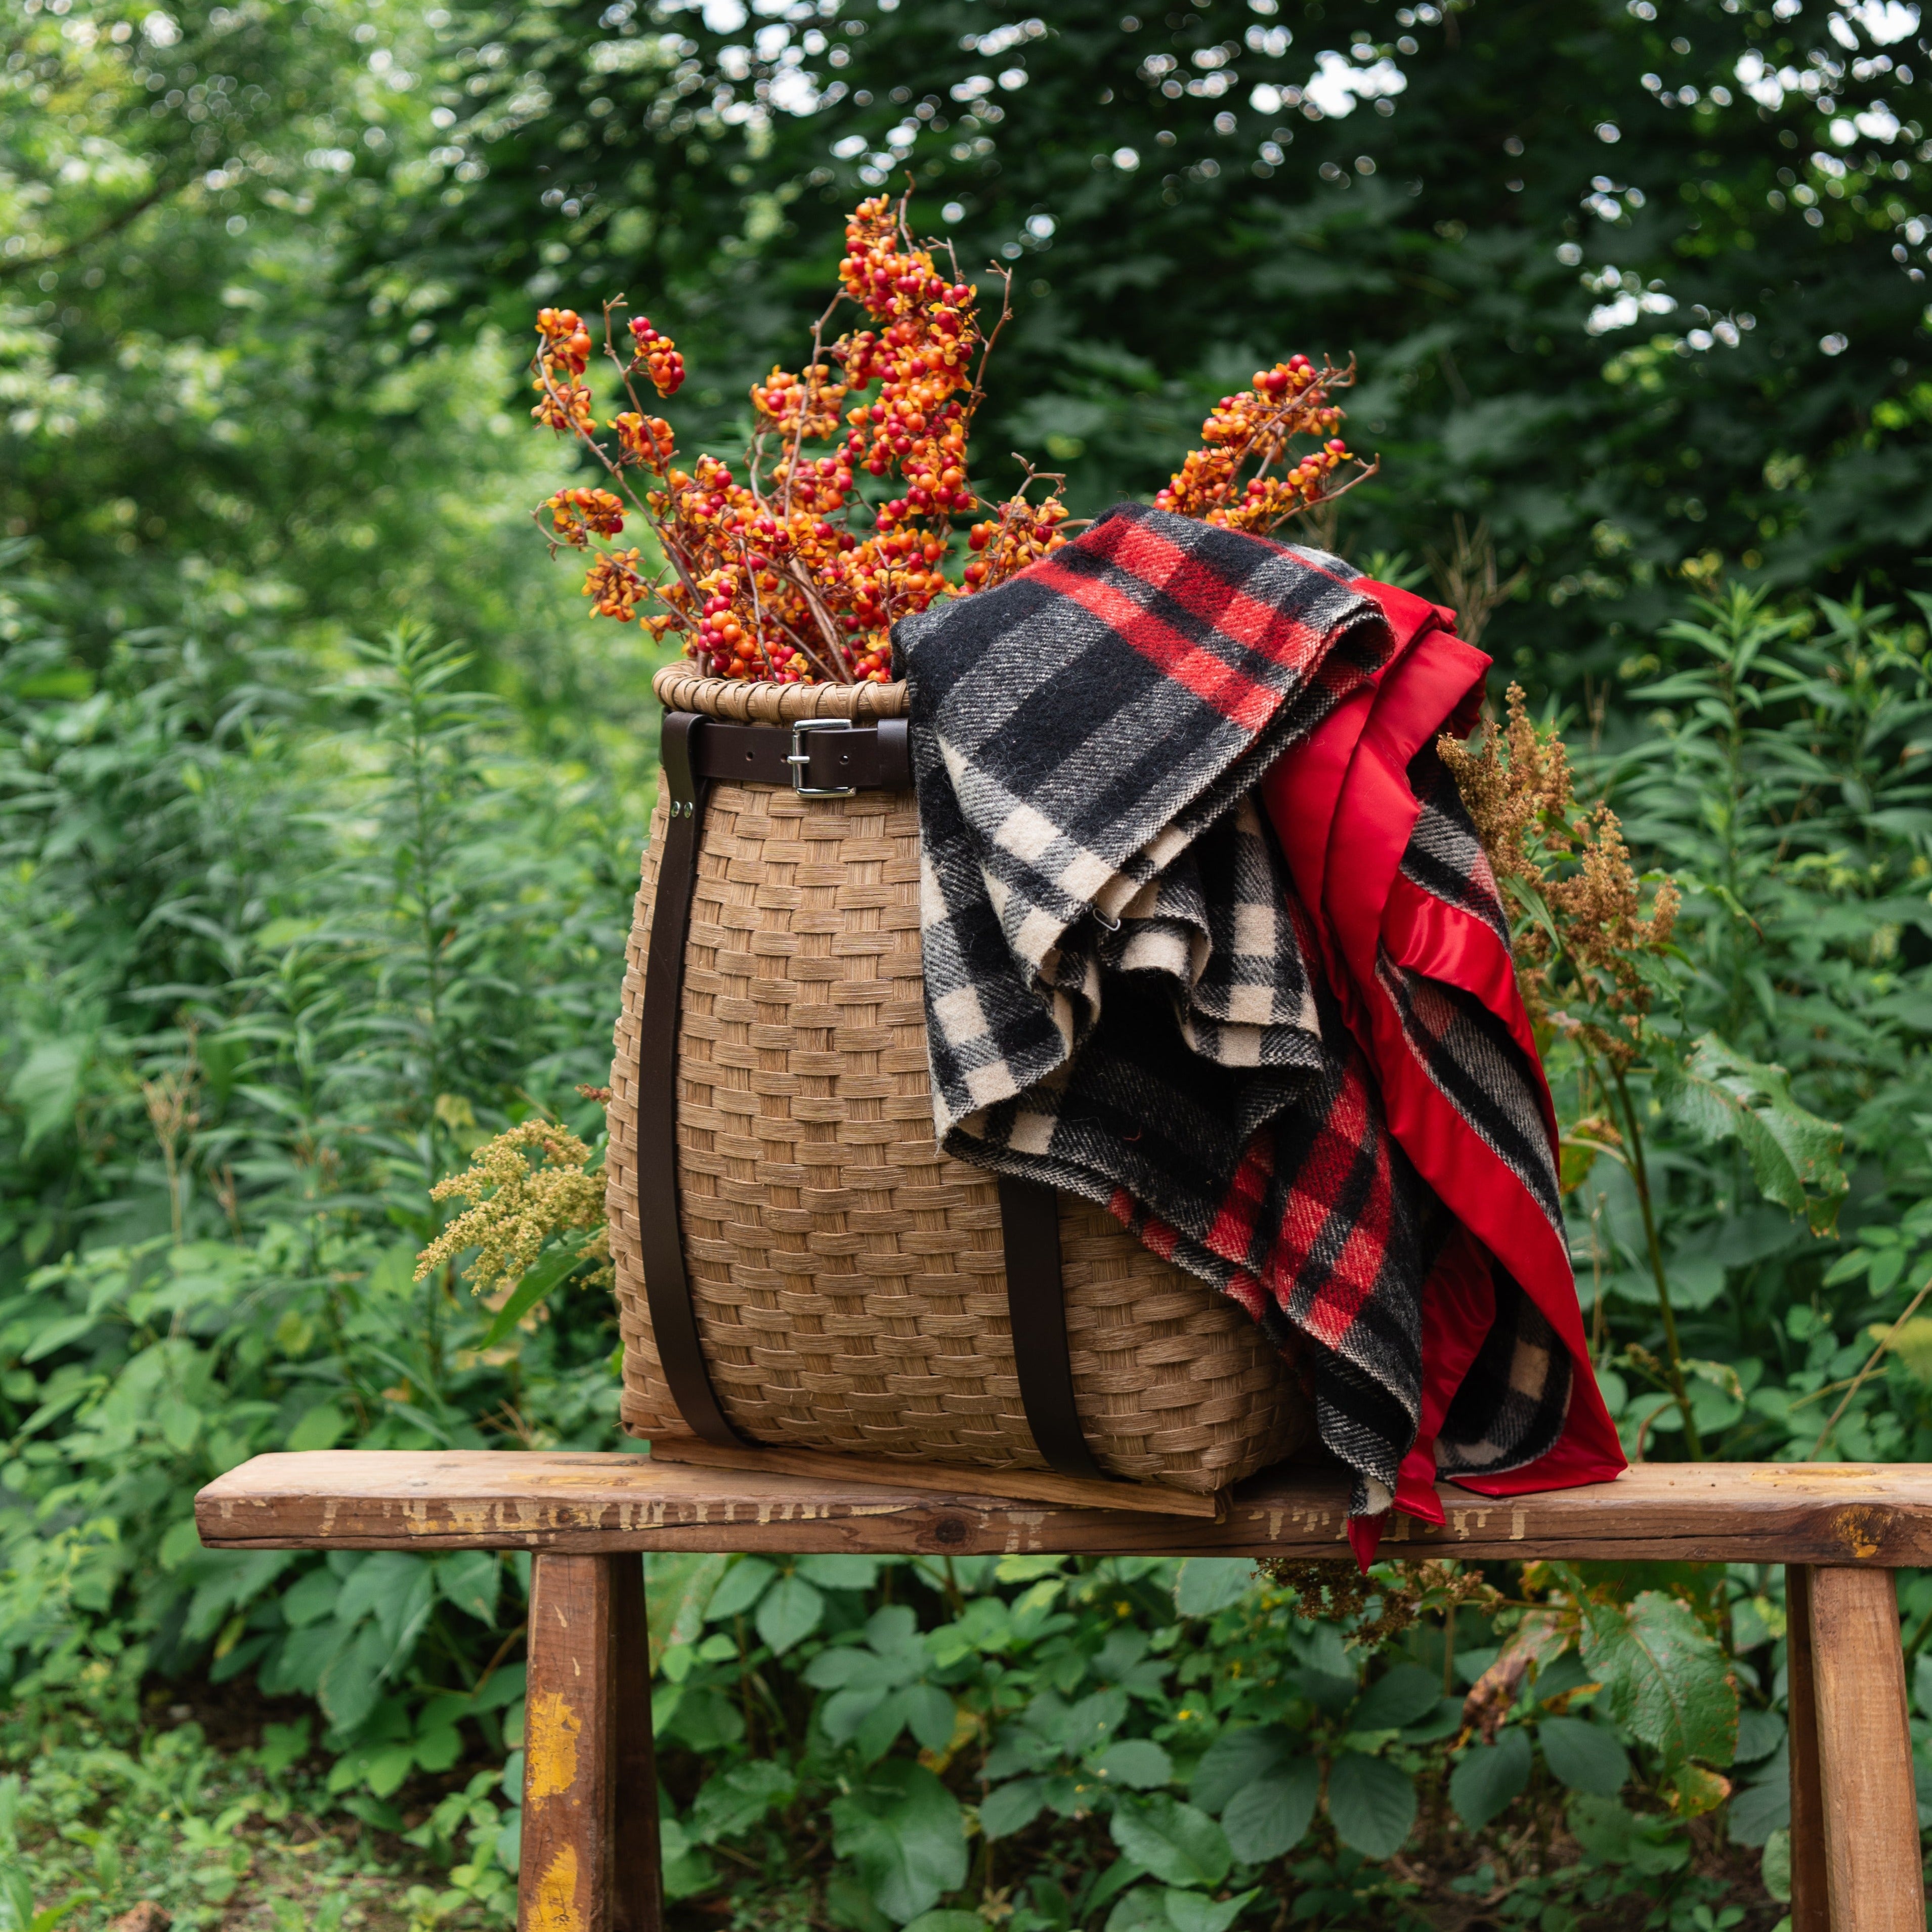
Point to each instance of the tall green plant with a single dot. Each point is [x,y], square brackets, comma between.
[1781,782]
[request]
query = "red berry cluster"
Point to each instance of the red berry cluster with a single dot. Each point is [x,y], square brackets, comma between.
[805,407]
[577,515]
[1022,534]
[1289,401]
[615,585]
[921,357]
[786,572]
[562,358]
[658,354]
[644,439]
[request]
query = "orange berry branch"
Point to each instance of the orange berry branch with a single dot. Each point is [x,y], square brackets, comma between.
[783,570]
[1289,401]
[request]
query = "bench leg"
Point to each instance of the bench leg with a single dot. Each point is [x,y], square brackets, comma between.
[1810,1908]
[1873,1877]
[590,1860]
[638,1892]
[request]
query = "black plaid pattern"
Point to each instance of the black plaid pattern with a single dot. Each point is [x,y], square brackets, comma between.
[1512,1404]
[1444,857]
[1124,998]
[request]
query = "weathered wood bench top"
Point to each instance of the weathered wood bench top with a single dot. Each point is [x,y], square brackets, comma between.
[1837,1514]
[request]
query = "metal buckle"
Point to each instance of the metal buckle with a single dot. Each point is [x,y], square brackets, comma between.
[800,758]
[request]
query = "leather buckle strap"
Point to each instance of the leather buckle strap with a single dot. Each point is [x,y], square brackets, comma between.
[818,757]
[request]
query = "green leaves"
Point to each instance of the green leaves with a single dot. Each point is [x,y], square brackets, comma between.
[904,1831]
[788,1606]
[1611,1835]
[473,1580]
[379,1612]
[1265,1782]
[687,1867]
[1138,1763]
[1794,1157]
[1152,1908]
[1012,1806]
[677,1588]
[741,1586]
[1664,1677]
[350,1682]
[736,1798]
[1371,1804]
[1490,1777]
[1189,1911]
[1206,1584]
[1241,1756]
[1269,1818]
[353,1622]
[788,1613]
[878,1688]
[394,1588]
[839,1573]
[555,1264]
[321,1427]
[46,1084]
[1404,1695]
[1178,1844]
[1583,1756]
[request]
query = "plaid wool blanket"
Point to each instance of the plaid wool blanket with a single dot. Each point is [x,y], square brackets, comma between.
[1197,948]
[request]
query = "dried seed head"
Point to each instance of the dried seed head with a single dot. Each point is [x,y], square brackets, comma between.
[517,1203]
[1520,793]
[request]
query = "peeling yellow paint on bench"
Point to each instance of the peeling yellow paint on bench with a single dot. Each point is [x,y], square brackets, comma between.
[1862,1530]
[555,1908]
[551,1731]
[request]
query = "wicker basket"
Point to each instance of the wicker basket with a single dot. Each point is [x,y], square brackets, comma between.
[847,1277]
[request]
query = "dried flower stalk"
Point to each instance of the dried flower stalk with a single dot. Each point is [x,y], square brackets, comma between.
[516,1204]
[1572,864]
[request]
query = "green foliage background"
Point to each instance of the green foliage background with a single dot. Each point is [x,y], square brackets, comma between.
[320,803]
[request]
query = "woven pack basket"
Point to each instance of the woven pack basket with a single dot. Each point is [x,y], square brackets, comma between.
[791,1246]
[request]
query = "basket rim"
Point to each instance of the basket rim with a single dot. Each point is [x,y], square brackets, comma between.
[679,687]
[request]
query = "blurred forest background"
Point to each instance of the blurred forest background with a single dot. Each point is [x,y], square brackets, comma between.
[320,804]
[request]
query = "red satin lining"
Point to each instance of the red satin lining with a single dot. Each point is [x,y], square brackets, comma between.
[1343,809]
[1447,944]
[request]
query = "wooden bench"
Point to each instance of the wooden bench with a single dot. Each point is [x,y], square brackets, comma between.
[589,1859]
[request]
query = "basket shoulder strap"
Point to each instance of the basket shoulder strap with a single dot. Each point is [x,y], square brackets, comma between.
[1036,1306]
[667,1286]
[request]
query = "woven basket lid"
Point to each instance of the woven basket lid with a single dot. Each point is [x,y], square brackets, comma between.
[748,701]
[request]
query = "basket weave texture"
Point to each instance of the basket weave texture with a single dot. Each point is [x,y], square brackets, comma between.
[848,1276]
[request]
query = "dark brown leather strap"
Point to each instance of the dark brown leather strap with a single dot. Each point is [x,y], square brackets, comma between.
[1036,1305]
[667,1287]
[862,757]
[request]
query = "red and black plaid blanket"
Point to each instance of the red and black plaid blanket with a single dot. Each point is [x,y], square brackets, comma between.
[1208,938]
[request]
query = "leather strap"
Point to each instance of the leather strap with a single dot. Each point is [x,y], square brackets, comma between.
[667,1287]
[1036,1306]
[866,758]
